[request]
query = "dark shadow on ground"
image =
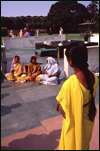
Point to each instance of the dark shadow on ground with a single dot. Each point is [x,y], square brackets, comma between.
[2,80]
[7,109]
[4,95]
[5,86]
[35,142]
[2,77]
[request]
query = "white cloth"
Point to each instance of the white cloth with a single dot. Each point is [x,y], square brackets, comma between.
[51,68]
[61,31]
[38,32]
[2,46]
[48,81]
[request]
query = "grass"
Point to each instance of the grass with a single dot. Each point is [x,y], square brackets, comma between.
[73,37]
[68,36]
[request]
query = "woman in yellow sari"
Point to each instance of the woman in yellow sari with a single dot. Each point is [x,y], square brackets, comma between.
[76,101]
[17,71]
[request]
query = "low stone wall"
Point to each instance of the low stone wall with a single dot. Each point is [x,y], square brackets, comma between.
[93,60]
[29,42]
[94,38]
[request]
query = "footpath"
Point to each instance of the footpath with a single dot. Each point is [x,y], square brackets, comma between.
[29,120]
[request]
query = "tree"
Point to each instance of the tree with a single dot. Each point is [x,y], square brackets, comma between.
[67,14]
[93,9]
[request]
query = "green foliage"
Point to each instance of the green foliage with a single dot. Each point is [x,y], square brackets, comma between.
[93,9]
[65,14]
[3,31]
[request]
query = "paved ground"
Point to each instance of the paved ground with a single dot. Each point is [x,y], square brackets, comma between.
[29,120]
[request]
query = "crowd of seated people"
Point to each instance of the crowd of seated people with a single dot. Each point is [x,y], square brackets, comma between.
[22,33]
[33,73]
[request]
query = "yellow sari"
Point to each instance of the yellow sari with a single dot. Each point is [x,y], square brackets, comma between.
[77,128]
[15,76]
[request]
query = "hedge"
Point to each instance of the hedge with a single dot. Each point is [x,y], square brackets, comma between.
[3,31]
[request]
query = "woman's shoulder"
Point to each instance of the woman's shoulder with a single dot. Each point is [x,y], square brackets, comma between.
[38,64]
[21,63]
[29,65]
[70,80]
[55,66]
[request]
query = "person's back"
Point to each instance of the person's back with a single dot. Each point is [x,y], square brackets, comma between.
[76,100]
[82,79]
[86,107]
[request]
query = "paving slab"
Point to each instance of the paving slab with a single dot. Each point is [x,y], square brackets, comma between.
[29,120]
[23,106]
[45,137]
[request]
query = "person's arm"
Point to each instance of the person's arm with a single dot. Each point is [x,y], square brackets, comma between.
[12,71]
[44,71]
[59,107]
[29,70]
[56,74]
[38,71]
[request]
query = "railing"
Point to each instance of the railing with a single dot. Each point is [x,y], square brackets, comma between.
[3,55]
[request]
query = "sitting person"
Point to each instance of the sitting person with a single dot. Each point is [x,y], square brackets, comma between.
[17,71]
[34,69]
[11,34]
[31,32]
[50,31]
[20,34]
[27,33]
[51,73]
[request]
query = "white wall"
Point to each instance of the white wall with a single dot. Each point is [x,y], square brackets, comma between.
[93,60]
[94,38]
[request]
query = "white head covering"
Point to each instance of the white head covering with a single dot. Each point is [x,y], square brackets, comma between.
[52,66]
[51,61]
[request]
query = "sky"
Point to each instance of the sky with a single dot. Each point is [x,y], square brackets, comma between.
[28,8]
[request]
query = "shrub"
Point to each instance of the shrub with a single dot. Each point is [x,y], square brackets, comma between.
[3,31]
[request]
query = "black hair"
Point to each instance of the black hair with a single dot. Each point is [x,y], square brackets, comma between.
[17,57]
[77,52]
[33,57]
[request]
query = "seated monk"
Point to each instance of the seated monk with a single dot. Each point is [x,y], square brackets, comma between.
[17,71]
[34,69]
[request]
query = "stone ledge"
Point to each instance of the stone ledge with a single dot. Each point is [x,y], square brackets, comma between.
[29,42]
